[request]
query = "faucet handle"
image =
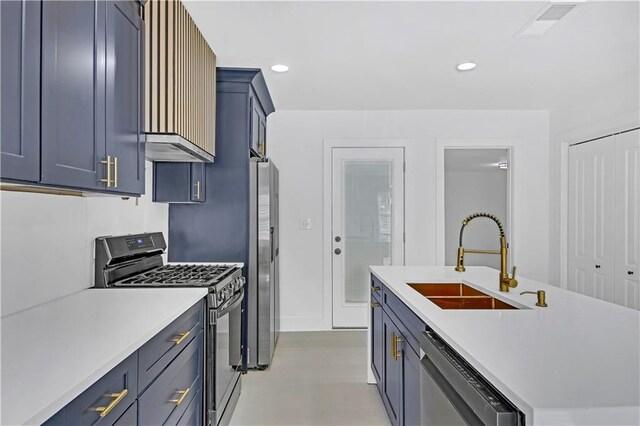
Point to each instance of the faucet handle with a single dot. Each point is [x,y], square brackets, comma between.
[513,283]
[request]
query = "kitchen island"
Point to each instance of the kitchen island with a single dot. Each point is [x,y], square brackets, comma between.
[576,361]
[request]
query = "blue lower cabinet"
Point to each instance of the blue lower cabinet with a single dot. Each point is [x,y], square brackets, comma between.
[160,384]
[395,359]
[130,417]
[179,182]
[392,383]
[166,400]
[107,399]
[377,342]
[155,355]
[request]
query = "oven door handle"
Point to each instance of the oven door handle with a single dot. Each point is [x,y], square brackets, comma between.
[233,303]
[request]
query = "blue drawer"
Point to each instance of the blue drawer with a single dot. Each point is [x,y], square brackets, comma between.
[376,289]
[168,397]
[107,399]
[158,352]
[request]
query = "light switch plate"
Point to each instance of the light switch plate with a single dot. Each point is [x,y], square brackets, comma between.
[304,224]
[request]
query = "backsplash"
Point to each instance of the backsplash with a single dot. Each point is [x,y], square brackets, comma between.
[47,240]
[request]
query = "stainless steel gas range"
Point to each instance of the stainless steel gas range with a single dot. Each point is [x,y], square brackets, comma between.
[136,261]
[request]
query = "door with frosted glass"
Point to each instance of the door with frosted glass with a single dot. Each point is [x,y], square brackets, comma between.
[367,225]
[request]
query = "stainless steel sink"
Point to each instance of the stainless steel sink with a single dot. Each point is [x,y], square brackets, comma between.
[458,296]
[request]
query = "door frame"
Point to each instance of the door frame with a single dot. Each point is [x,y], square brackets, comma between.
[327,237]
[443,144]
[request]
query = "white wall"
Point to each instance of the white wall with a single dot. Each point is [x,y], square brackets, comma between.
[47,241]
[296,146]
[470,192]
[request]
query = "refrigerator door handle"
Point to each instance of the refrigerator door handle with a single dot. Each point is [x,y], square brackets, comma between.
[273,254]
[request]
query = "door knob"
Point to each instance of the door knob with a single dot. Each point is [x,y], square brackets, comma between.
[629,272]
[597,266]
[338,239]
[337,251]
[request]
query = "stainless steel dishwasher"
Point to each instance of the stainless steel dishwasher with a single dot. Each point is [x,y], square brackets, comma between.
[453,393]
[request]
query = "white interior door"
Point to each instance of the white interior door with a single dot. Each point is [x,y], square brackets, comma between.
[367,225]
[591,214]
[627,219]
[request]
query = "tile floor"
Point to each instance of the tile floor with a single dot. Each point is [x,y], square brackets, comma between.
[316,378]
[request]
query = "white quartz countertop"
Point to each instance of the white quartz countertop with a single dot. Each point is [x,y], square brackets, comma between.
[576,361]
[51,353]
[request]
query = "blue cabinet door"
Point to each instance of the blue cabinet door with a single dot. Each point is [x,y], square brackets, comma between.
[73,88]
[124,95]
[377,342]
[20,90]
[392,382]
[179,182]
[198,181]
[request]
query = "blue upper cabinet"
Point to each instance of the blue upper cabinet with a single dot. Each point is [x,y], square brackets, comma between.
[251,82]
[20,90]
[90,93]
[73,88]
[179,182]
[125,76]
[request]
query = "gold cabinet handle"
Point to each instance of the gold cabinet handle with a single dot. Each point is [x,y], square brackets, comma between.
[183,395]
[108,179]
[180,339]
[375,289]
[197,185]
[115,172]
[395,353]
[117,398]
[375,304]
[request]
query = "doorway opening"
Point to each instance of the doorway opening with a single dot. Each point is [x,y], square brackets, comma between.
[476,180]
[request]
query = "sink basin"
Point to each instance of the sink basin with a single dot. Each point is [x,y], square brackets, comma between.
[458,296]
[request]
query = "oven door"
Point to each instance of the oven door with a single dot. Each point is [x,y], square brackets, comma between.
[225,354]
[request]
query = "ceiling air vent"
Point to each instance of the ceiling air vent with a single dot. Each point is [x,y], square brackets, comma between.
[545,19]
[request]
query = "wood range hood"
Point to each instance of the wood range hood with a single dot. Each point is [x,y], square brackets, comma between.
[180,86]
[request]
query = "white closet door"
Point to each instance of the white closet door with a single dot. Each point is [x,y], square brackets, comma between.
[627,219]
[591,213]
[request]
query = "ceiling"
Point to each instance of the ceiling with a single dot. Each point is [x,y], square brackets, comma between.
[402,55]
[474,160]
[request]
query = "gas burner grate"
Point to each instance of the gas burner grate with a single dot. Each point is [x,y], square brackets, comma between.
[177,275]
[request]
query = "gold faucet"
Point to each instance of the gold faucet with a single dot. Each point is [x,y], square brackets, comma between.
[506,281]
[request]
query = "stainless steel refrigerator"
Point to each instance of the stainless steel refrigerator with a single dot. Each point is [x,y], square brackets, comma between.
[263,301]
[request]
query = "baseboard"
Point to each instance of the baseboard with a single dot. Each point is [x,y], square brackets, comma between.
[302,324]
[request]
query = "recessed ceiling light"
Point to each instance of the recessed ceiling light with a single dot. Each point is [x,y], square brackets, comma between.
[466,66]
[279,68]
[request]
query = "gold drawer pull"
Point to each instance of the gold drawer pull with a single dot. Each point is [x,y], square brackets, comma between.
[183,395]
[375,289]
[374,304]
[180,339]
[117,398]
